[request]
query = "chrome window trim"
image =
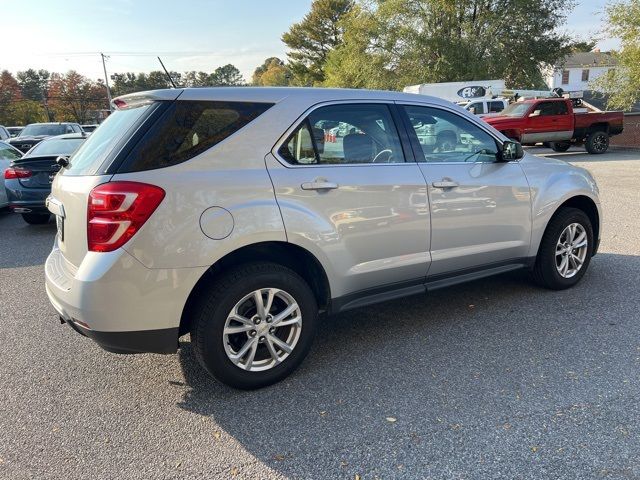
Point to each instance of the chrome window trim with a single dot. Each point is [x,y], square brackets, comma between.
[283,138]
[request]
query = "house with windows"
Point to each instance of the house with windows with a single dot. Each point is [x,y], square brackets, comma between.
[576,71]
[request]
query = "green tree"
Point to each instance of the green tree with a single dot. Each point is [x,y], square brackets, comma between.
[622,84]
[123,83]
[394,43]
[227,75]
[311,40]
[33,83]
[273,72]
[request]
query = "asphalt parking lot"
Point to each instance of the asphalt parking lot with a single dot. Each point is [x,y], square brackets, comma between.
[493,379]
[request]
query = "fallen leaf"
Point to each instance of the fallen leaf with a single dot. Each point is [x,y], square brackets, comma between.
[278,457]
[392,419]
[234,472]
[216,435]
[178,464]
[534,449]
[344,463]
[356,477]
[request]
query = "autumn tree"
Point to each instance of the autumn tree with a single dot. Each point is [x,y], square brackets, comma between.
[311,40]
[9,95]
[393,43]
[273,72]
[73,97]
[622,84]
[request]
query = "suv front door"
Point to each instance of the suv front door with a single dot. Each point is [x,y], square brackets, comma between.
[351,195]
[480,207]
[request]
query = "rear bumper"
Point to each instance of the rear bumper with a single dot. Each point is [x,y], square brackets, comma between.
[26,200]
[119,303]
[142,341]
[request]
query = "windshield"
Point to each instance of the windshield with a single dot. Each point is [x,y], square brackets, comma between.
[87,160]
[57,146]
[48,130]
[515,110]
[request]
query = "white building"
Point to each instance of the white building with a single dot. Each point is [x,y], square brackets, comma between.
[576,71]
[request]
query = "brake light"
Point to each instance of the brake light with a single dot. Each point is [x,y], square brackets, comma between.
[16,172]
[117,210]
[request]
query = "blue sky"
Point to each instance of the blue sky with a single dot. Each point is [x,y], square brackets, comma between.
[188,34]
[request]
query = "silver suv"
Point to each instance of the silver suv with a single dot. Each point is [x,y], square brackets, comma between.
[235,215]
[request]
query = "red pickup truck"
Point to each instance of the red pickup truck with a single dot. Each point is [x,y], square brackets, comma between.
[552,121]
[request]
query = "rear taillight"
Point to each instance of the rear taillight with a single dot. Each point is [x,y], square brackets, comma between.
[16,172]
[117,210]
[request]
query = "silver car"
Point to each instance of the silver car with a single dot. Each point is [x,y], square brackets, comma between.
[235,215]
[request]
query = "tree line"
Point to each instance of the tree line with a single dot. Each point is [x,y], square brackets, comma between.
[385,44]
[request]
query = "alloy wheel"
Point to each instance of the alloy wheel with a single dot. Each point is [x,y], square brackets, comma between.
[262,329]
[571,250]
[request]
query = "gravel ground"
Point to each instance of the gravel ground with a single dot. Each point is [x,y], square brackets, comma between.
[493,379]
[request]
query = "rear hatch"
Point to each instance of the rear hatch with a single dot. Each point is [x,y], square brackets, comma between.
[93,164]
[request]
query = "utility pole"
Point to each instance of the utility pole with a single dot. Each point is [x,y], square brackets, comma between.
[106,80]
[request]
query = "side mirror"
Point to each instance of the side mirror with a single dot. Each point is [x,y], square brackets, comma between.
[511,151]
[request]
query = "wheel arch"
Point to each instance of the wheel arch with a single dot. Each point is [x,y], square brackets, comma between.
[588,206]
[292,256]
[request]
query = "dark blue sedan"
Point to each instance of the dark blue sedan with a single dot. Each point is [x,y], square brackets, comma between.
[28,179]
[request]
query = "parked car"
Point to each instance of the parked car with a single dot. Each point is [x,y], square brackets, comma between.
[28,179]
[214,212]
[89,128]
[14,131]
[553,121]
[7,155]
[4,133]
[36,132]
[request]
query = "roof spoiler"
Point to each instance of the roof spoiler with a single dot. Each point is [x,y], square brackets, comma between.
[137,99]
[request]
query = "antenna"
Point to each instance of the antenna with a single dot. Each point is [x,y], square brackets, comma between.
[165,71]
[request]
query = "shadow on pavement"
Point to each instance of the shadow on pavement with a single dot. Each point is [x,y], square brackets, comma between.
[475,355]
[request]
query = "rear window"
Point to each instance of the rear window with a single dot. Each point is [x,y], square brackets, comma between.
[188,128]
[100,144]
[49,130]
[59,146]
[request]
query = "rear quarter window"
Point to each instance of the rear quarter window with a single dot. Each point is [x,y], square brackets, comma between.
[188,128]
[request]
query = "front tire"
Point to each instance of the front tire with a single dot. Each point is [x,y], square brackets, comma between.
[597,142]
[254,325]
[565,250]
[36,218]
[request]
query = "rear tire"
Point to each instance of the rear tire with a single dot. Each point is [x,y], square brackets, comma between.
[235,293]
[36,218]
[560,146]
[597,142]
[548,269]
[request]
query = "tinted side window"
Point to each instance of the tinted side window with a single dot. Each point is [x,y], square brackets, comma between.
[561,108]
[187,129]
[345,134]
[446,137]
[478,108]
[495,107]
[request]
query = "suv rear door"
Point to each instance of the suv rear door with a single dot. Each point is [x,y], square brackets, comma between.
[357,201]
